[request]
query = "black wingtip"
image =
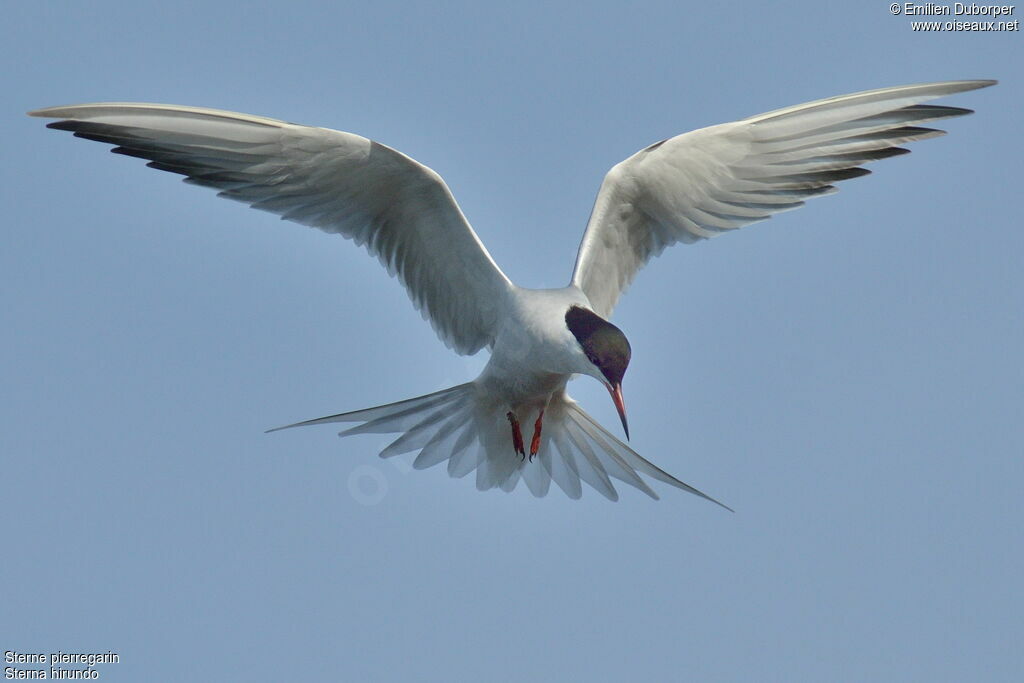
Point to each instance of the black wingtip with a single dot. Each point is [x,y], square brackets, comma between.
[62,125]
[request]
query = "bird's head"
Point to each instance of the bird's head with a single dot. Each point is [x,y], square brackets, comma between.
[606,350]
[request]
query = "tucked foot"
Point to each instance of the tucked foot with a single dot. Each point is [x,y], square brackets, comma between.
[517,435]
[535,441]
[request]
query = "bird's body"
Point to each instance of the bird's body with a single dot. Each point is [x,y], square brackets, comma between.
[534,352]
[515,421]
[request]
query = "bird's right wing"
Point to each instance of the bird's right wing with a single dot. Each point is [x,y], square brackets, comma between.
[400,210]
[709,181]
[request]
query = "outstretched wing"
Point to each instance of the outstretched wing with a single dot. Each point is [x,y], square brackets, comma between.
[706,182]
[400,210]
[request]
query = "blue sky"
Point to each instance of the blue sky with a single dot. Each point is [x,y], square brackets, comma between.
[848,376]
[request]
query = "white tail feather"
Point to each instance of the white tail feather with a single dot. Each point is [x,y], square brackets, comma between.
[457,426]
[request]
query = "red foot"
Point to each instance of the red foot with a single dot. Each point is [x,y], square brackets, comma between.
[517,435]
[535,441]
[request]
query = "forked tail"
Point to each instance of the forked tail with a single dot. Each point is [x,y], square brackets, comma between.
[471,433]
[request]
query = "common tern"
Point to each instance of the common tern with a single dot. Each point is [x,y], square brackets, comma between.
[515,420]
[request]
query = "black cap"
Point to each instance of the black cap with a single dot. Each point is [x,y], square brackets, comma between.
[603,343]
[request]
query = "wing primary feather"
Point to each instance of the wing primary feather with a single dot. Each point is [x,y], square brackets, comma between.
[814,178]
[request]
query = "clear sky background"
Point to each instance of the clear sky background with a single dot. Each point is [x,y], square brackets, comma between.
[848,376]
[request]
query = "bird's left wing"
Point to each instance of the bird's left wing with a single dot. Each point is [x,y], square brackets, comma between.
[709,181]
[400,210]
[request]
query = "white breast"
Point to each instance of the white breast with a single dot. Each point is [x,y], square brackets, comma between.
[535,354]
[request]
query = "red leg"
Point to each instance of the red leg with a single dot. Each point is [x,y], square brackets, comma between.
[535,441]
[517,435]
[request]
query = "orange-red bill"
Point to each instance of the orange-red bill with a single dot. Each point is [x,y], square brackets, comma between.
[620,405]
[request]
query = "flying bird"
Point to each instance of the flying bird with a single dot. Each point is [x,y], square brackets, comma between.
[515,420]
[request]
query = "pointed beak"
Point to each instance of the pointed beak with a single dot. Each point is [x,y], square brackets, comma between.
[620,405]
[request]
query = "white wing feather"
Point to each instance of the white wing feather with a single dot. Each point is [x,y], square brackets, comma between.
[400,210]
[709,181]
